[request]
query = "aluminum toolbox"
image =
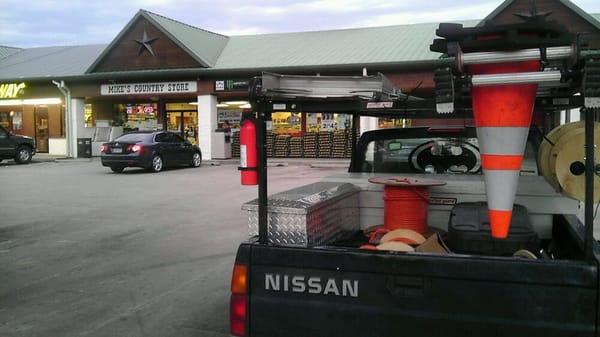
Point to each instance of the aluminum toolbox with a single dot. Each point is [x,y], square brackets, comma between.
[310,215]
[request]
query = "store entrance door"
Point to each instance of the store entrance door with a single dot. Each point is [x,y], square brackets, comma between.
[41,129]
[184,123]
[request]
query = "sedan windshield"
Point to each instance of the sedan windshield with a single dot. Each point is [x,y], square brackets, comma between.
[133,137]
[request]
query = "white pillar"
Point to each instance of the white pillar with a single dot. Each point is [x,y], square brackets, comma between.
[77,120]
[207,123]
[368,124]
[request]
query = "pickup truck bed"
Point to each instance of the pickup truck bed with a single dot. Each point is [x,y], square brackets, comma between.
[342,291]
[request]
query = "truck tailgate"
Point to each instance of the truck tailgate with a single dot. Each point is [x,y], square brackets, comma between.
[328,292]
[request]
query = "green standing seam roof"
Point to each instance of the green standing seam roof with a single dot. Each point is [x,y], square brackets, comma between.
[7,51]
[373,45]
[404,43]
[203,44]
[51,62]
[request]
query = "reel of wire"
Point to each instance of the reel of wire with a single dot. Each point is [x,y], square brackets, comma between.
[562,159]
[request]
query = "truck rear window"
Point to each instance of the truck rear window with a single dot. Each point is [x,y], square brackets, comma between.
[435,155]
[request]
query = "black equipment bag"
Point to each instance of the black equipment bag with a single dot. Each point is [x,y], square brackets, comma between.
[469,231]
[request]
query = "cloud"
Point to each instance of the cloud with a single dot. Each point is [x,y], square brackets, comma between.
[457,13]
[87,22]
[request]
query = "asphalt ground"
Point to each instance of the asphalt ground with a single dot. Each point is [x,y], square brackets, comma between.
[85,252]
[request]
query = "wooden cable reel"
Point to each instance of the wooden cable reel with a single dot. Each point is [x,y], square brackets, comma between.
[545,159]
[563,164]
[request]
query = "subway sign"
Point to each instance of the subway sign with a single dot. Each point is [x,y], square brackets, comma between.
[12,90]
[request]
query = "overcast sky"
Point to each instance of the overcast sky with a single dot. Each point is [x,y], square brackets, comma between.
[67,22]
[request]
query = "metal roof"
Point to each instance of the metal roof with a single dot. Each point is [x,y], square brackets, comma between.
[204,44]
[404,43]
[7,51]
[401,44]
[49,61]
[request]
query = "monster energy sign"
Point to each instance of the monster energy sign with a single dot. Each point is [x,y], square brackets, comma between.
[231,85]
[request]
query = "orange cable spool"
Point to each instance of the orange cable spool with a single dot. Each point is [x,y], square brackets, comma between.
[406,202]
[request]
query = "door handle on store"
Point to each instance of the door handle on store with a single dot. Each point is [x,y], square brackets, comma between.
[404,286]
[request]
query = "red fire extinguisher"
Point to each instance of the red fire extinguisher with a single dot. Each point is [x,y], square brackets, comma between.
[248,153]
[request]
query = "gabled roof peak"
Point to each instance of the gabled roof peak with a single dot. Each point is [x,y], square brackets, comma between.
[179,22]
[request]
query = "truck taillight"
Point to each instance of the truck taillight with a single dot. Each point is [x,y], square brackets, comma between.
[239,279]
[238,309]
[238,314]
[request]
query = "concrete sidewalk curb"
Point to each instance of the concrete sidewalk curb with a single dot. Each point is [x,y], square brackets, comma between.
[329,165]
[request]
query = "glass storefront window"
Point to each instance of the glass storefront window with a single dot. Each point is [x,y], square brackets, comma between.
[231,112]
[12,120]
[316,122]
[389,123]
[182,118]
[289,123]
[136,117]
[88,116]
[232,116]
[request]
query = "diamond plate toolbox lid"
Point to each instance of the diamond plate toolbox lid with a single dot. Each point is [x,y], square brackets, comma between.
[305,199]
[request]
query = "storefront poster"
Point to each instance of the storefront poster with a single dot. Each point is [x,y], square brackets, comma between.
[327,122]
[233,116]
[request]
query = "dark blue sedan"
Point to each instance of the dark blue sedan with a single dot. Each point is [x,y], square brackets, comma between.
[150,150]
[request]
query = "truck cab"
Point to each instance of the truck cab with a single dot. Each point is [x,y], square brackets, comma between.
[17,147]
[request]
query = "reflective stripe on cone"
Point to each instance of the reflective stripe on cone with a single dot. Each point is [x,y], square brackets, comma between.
[500,187]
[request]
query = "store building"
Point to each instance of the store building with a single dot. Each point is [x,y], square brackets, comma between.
[159,73]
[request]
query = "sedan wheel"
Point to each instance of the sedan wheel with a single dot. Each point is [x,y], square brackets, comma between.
[196,159]
[157,163]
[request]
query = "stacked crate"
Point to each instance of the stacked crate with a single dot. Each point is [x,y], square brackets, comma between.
[339,144]
[235,144]
[270,141]
[325,144]
[295,147]
[310,145]
[282,146]
[348,152]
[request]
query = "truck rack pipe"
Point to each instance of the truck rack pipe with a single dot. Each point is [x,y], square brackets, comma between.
[553,76]
[552,53]
[589,182]
[261,144]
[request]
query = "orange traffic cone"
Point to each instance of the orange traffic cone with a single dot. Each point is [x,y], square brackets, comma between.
[502,117]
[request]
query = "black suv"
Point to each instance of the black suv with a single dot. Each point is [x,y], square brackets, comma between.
[19,148]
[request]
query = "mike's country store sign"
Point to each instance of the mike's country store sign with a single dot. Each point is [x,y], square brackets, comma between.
[11,90]
[149,88]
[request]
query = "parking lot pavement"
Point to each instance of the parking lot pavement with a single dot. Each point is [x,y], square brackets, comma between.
[85,252]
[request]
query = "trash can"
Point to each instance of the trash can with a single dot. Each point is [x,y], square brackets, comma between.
[84,148]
